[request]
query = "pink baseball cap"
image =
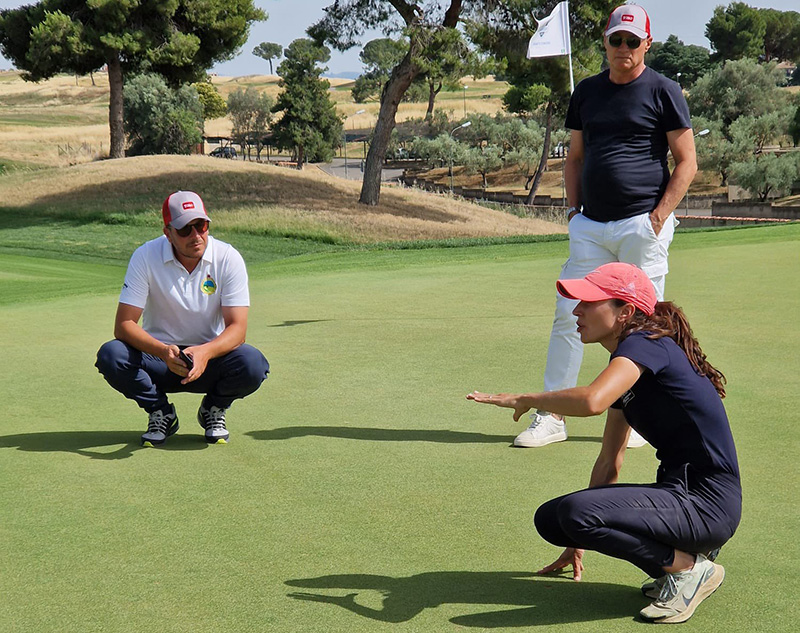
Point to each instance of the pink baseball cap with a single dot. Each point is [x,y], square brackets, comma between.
[182,207]
[613,281]
[631,18]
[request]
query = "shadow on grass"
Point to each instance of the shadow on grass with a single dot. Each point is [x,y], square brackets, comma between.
[303,322]
[92,443]
[391,435]
[541,601]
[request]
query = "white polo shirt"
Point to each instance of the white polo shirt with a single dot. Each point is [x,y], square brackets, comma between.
[182,308]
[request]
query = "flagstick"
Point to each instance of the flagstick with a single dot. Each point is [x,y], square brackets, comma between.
[548,47]
[569,48]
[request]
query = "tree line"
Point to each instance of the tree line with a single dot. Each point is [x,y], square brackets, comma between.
[163,50]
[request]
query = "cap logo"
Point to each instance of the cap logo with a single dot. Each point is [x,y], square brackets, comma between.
[627,18]
[188,205]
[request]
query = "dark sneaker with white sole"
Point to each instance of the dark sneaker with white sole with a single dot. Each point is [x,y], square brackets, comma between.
[213,421]
[162,424]
[683,591]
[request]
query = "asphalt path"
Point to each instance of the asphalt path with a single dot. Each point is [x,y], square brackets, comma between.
[352,170]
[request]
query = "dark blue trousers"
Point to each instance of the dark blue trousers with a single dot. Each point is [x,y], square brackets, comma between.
[147,380]
[645,524]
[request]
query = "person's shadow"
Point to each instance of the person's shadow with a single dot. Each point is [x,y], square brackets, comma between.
[391,435]
[92,443]
[541,600]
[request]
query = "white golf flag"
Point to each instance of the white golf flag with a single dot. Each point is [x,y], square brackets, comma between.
[552,34]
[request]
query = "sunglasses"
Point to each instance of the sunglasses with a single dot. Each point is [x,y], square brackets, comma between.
[632,42]
[186,231]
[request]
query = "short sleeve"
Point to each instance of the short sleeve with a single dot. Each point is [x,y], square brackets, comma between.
[234,289]
[136,286]
[675,110]
[649,353]
[573,120]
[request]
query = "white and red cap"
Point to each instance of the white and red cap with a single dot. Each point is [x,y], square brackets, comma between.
[631,18]
[182,207]
[613,281]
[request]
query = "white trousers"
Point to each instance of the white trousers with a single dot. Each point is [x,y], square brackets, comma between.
[592,244]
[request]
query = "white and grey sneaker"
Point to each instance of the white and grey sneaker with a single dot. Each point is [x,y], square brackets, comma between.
[545,429]
[683,591]
[652,588]
[213,421]
[162,424]
[635,440]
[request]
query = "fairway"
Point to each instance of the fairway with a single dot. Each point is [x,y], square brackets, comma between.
[360,491]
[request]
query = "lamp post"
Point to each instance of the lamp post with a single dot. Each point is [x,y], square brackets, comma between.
[700,133]
[455,129]
[344,132]
[464,91]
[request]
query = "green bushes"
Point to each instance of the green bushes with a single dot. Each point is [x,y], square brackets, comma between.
[160,119]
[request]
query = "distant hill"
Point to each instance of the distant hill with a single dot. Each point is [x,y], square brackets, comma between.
[345,75]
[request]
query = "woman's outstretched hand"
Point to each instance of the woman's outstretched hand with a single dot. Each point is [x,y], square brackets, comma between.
[571,556]
[507,400]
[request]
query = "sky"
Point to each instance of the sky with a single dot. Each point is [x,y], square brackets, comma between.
[288,20]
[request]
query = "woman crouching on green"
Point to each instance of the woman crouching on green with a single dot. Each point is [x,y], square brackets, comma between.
[659,383]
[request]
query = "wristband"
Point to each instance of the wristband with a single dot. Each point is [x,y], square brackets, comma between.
[571,209]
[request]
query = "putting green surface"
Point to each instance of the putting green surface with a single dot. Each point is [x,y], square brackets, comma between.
[360,490]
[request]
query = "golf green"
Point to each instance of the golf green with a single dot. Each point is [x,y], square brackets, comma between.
[360,490]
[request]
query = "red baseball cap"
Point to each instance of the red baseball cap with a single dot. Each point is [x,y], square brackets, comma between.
[631,18]
[613,281]
[182,207]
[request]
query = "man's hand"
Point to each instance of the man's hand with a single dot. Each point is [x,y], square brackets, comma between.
[172,356]
[657,223]
[571,556]
[200,358]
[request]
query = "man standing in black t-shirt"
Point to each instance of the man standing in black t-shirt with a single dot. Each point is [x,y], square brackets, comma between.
[624,122]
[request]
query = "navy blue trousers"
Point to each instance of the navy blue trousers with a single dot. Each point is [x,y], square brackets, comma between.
[147,380]
[645,524]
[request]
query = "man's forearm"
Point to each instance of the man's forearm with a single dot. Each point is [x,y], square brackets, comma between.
[678,185]
[228,340]
[133,334]
[573,170]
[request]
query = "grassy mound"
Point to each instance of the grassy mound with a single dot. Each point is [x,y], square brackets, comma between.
[249,198]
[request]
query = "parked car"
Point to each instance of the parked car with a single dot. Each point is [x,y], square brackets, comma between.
[224,152]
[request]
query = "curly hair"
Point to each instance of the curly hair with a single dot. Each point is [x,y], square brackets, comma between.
[669,320]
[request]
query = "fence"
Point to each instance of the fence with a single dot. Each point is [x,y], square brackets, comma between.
[84,149]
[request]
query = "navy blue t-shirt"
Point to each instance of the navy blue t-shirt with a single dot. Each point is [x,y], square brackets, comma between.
[676,409]
[624,130]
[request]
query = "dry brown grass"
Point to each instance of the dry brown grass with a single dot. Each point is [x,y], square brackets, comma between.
[63,121]
[257,197]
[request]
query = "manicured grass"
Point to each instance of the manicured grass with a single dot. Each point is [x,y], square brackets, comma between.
[360,490]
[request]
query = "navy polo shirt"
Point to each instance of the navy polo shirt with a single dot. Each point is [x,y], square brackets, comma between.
[676,409]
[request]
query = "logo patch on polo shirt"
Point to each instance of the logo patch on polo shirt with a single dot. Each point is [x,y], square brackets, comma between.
[209,287]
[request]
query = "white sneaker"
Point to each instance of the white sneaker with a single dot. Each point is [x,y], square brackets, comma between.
[545,429]
[683,591]
[652,588]
[635,440]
